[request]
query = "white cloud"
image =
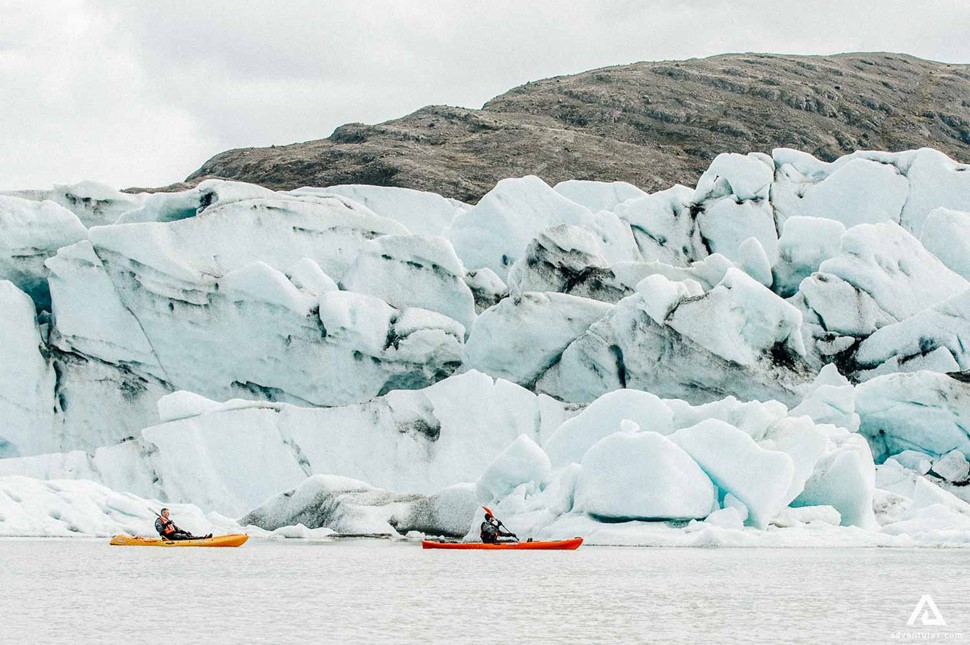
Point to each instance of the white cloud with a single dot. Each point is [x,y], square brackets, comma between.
[77,105]
[142,93]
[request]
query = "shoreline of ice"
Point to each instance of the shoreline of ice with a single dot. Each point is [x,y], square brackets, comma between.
[783,345]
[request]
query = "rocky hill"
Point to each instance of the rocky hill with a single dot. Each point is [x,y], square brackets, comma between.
[651,124]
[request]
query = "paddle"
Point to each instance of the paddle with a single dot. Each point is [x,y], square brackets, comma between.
[502,526]
[511,534]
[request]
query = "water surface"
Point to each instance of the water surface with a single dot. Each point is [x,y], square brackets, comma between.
[365,591]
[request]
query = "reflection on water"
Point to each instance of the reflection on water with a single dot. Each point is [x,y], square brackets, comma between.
[83,591]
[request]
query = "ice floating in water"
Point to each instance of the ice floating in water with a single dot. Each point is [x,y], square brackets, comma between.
[580,353]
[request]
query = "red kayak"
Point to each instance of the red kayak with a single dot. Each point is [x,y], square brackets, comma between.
[555,545]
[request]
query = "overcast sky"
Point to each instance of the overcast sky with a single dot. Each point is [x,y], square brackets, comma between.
[133,92]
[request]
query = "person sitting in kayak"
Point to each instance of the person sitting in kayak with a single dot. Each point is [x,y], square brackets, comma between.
[493,531]
[167,529]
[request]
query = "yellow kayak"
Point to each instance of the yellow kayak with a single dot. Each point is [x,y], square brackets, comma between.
[237,539]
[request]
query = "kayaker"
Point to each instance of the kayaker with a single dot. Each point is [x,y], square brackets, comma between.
[493,531]
[167,529]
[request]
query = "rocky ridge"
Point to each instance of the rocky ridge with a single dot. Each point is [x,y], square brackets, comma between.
[652,124]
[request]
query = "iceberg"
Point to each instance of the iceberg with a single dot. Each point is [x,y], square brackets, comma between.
[351,507]
[852,190]
[932,339]
[675,351]
[924,411]
[758,478]
[642,475]
[495,233]
[519,339]
[946,234]
[30,233]
[422,213]
[232,456]
[27,381]
[413,271]
[953,467]
[732,198]
[78,508]
[522,462]
[804,244]
[598,195]
[664,226]
[894,269]
[603,417]
[566,259]
[777,356]
[93,203]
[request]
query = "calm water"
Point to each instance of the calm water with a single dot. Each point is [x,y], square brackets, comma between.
[83,591]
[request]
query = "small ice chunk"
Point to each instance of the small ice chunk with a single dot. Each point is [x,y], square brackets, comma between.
[730,501]
[804,244]
[356,319]
[829,399]
[844,479]
[661,295]
[952,466]
[299,531]
[486,287]
[754,261]
[748,177]
[307,275]
[946,234]
[914,460]
[261,282]
[726,518]
[522,462]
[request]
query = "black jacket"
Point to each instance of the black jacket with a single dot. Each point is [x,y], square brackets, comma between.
[490,533]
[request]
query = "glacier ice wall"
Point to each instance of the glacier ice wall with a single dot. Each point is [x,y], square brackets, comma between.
[779,288]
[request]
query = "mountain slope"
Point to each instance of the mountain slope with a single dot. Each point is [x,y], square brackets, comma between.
[651,124]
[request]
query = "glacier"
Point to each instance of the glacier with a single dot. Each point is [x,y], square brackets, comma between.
[779,355]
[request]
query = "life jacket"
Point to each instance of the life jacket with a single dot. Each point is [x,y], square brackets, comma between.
[489,533]
[164,526]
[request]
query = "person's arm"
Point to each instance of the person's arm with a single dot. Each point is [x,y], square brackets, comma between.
[166,523]
[504,532]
